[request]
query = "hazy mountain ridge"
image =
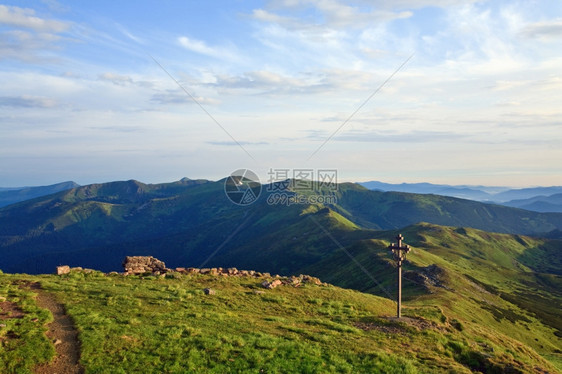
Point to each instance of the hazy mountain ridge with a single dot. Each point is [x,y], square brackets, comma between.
[16,194]
[552,203]
[500,195]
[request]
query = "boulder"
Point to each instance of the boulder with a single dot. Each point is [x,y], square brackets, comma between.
[64,269]
[143,264]
[271,285]
[209,291]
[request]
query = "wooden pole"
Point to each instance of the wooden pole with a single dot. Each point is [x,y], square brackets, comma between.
[399,251]
[399,292]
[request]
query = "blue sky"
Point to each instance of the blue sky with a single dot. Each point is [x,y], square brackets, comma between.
[90,90]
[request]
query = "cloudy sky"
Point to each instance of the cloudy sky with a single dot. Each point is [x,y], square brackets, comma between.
[441,91]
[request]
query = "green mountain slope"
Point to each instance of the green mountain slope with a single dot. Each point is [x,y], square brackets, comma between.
[154,325]
[510,283]
[187,221]
[388,210]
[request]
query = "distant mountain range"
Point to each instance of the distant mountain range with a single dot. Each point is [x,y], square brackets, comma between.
[552,203]
[16,194]
[539,199]
[193,222]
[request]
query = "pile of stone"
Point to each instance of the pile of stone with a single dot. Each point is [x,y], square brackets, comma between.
[65,269]
[428,277]
[144,265]
[271,282]
[150,265]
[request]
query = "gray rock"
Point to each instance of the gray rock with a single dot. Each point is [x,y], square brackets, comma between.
[64,269]
[143,264]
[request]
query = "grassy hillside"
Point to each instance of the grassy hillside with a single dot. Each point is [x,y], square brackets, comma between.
[479,300]
[154,325]
[509,283]
[186,221]
[387,210]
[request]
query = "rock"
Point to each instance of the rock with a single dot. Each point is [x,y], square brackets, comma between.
[294,281]
[209,291]
[271,285]
[258,292]
[57,341]
[181,270]
[313,280]
[214,271]
[193,271]
[427,277]
[232,271]
[2,325]
[64,269]
[204,271]
[317,282]
[77,268]
[143,264]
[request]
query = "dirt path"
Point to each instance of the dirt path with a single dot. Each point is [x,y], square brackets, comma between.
[62,333]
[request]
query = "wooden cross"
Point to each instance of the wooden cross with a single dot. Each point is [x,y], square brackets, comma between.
[399,251]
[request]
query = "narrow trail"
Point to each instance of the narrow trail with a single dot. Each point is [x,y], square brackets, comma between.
[62,333]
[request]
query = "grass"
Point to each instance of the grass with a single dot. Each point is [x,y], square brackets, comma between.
[23,343]
[168,325]
[487,285]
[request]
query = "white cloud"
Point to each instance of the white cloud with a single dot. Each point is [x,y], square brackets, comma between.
[26,101]
[28,37]
[197,46]
[200,47]
[25,18]
[116,78]
[177,96]
[484,83]
[330,14]
[544,30]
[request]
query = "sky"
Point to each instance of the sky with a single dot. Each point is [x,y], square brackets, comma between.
[440,91]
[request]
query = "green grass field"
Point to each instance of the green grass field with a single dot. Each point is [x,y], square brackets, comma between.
[169,325]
